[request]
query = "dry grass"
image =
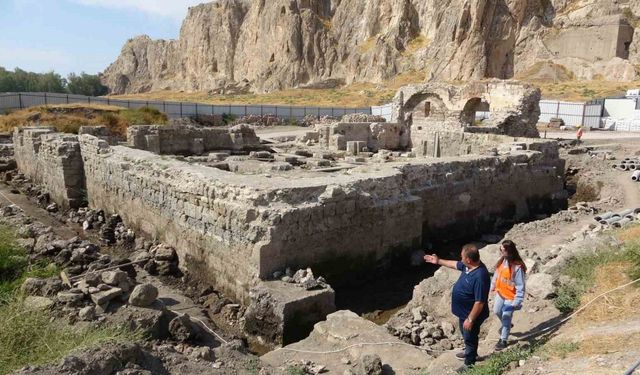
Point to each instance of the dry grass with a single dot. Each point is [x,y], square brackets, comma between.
[617,305]
[583,90]
[69,118]
[354,95]
[603,344]
[629,234]
[368,44]
[415,45]
[367,94]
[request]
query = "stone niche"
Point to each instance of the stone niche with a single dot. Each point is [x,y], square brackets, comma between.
[191,140]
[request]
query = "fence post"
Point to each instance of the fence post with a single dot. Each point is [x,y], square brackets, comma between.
[558,109]
[196,109]
[20,100]
[108,101]
[67,98]
[584,110]
[89,99]
[45,99]
[181,109]
[164,107]
[290,113]
[128,104]
[260,110]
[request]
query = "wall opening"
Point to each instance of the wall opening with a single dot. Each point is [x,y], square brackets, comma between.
[475,111]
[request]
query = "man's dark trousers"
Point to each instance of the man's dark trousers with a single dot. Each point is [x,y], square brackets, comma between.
[471,339]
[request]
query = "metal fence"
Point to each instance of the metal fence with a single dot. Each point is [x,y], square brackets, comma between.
[588,115]
[383,110]
[13,101]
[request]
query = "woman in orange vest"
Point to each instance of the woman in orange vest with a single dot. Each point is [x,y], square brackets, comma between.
[579,134]
[508,283]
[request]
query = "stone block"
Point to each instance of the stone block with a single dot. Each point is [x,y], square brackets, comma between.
[282,312]
[100,298]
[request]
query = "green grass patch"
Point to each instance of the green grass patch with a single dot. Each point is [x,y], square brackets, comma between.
[632,253]
[13,262]
[557,349]
[497,363]
[295,370]
[29,337]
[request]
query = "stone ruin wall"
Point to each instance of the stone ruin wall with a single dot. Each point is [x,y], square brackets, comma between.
[232,229]
[374,136]
[52,160]
[191,140]
[213,226]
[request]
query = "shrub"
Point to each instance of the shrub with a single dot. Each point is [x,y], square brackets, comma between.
[568,298]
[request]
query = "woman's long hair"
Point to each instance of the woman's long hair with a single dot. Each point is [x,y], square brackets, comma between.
[512,256]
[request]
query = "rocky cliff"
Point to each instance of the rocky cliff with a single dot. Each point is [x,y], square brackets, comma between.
[259,45]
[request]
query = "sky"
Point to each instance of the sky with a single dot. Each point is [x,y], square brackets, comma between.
[80,35]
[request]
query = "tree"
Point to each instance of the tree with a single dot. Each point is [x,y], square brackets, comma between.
[85,84]
[22,81]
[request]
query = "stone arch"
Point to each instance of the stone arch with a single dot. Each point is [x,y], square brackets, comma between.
[426,106]
[471,108]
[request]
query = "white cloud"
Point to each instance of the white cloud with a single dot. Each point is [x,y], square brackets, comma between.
[176,9]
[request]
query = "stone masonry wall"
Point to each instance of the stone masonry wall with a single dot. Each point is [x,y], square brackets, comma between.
[232,229]
[180,140]
[52,160]
[375,136]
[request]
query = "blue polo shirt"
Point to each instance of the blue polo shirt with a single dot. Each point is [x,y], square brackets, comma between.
[471,287]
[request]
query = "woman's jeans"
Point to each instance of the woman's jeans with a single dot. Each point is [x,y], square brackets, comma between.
[504,311]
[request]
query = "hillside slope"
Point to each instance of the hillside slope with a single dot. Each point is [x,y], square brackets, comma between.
[229,46]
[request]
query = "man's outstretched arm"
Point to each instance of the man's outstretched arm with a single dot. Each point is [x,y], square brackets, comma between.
[434,259]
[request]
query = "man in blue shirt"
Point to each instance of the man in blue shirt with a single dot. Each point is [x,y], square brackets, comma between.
[469,297]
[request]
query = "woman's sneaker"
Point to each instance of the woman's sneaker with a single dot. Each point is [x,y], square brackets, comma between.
[501,345]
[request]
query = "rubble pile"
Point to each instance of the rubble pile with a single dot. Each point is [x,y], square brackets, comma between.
[423,330]
[303,278]
[260,120]
[362,117]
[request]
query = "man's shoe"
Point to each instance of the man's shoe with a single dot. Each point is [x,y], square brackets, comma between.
[460,355]
[501,345]
[464,368]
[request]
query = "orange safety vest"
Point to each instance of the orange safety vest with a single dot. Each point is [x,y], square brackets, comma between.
[505,286]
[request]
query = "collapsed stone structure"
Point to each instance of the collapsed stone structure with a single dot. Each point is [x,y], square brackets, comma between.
[439,114]
[233,226]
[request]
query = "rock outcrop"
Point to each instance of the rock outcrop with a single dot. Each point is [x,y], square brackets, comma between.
[257,45]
